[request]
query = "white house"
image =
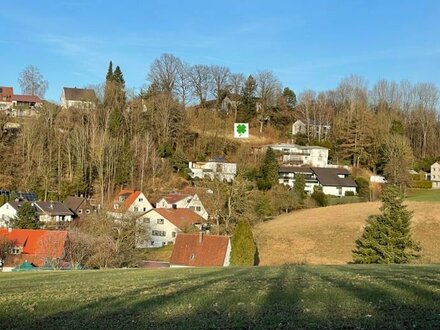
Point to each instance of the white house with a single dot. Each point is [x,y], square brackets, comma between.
[129,202]
[316,129]
[78,98]
[201,250]
[332,181]
[218,169]
[435,175]
[8,211]
[296,155]
[55,212]
[162,226]
[181,200]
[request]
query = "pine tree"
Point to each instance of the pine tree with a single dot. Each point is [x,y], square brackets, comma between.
[247,107]
[26,218]
[108,85]
[109,76]
[387,237]
[269,170]
[243,249]
[300,185]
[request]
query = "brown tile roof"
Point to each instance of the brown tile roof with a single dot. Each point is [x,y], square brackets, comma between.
[199,250]
[26,98]
[79,94]
[329,177]
[37,245]
[130,197]
[173,198]
[180,217]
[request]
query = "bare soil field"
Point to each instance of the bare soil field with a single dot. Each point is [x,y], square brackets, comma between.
[327,235]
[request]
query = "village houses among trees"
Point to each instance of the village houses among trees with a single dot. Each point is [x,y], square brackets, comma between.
[120,173]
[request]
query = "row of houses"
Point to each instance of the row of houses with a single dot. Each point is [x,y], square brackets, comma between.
[47,249]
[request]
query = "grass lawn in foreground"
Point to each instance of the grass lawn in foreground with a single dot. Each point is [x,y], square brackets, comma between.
[351,296]
[423,195]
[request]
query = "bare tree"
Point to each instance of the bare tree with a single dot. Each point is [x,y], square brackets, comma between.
[32,81]
[164,72]
[183,84]
[220,76]
[236,81]
[268,88]
[200,77]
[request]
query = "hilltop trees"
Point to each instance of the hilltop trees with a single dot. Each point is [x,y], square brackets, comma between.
[387,237]
[32,81]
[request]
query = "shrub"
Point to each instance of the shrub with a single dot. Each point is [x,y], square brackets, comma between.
[243,250]
[349,193]
[421,184]
[320,198]
[363,187]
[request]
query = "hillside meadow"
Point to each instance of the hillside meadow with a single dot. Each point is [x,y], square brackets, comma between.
[285,297]
[327,235]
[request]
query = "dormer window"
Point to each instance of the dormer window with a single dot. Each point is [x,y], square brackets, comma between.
[341,176]
[121,198]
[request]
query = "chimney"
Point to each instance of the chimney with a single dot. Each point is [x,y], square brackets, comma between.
[9,229]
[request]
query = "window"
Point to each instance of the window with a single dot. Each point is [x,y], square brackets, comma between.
[198,208]
[136,209]
[15,250]
[160,221]
[145,209]
[87,211]
[147,220]
[173,234]
[116,206]
[158,233]
[192,208]
[141,199]
[80,211]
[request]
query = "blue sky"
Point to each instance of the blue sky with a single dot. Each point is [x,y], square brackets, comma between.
[307,44]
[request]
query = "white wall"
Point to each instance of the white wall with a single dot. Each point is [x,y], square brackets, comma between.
[150,222]
[7,212]
[335,191]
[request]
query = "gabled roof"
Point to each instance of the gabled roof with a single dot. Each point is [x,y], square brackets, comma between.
[37,245]
[329,177]
[53,208]
[129,197]
[79,94]
[26,98]
[179,217]
[199,250]
[175,197]
[73,202]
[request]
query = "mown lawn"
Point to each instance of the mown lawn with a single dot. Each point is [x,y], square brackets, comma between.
[361,297]
[424,195]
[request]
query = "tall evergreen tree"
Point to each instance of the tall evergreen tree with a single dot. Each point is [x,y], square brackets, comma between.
[269,170]
[108,85]
[387,237]
[26,218]
[300,185]
[247,107]
[109,76]
[243,249]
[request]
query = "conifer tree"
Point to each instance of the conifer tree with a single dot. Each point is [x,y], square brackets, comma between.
[108,84]
[26,218]
[300,185]
[247,107]
[269,170]
[243,245]
[387,237]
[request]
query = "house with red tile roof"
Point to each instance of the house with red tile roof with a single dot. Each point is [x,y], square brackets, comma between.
[201,250]
[39,247]
[181,199]
[162,225]
[129,202]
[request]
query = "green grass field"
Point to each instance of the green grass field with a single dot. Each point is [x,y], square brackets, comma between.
[424,195]
[319,297]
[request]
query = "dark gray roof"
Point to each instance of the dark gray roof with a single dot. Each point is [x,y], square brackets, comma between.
[295,169]
[329,177]
[79,94]
[53,208]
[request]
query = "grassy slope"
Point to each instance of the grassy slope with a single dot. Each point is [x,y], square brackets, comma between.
[424,195]
[327,235]
[298,297]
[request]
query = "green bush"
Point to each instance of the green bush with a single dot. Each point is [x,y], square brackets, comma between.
[349,193]
[320,198]
[244,249]
[421,184]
